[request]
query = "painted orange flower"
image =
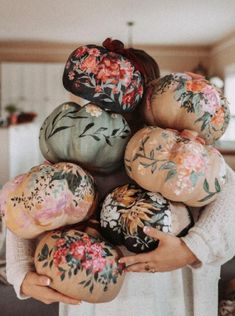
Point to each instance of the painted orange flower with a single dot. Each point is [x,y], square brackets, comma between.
[218,118]
[89,64]
[134,217]
[195,85]
[124,196]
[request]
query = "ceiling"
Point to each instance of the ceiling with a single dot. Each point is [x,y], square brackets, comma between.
[163,22]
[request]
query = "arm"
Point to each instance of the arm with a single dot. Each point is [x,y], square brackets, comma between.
[19,260]
[210,241]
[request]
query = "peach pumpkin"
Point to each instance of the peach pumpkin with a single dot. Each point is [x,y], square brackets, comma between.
[80,266]
[47,197]
[176,164]
[187,101]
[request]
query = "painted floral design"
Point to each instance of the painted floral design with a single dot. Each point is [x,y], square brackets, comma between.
[49,196]
[197,95]
[75,253]
[104,77]
[122,223]
[180,159]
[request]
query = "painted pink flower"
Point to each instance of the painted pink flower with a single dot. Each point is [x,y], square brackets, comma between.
[77,249]
[71,75]
[94,51]
[98,88]
[87,264]
[80,51]
[59,256]
[98,264]
[96,250]
[89,64]
[212,100]
[128,98]
[60,242]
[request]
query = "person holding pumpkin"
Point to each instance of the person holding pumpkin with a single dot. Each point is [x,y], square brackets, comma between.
[191,264]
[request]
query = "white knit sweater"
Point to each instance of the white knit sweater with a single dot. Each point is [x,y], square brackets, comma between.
[212,240]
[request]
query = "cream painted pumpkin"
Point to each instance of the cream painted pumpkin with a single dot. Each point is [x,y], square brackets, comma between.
[80,266]
[47,197]
[187,101]
[87,135]
[176,164]
[128,208]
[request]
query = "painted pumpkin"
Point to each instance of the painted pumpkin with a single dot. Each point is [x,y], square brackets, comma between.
[104,77]
[85,135]
[176,164]
[127,209]
[188,101]
[80,266]
[47,197]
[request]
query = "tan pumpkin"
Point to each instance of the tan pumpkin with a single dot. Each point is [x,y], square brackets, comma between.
[80,266]
[47,197]
[176,164]
[187,101]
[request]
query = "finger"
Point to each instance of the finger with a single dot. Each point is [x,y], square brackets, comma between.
[155,233]
[129,260]
[54,296]
[141,267]
[37,279]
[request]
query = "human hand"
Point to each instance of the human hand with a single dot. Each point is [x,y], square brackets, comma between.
[36,286]
[171,253]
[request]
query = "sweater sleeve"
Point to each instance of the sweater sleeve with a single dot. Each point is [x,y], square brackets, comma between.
[212,239]
[19,260]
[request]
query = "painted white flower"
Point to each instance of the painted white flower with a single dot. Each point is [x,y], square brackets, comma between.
[65,107]
[109,216]
[93,110]
[114,115]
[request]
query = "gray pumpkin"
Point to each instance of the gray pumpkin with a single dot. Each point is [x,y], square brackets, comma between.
[85,135]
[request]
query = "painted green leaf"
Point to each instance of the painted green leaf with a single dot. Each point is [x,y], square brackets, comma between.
[151,154]
[45,264]
[217,185]
[45,251]
[206,186]
[207,197]
[90,125]
[193,178]
[114,132]
[58,130]
[91,288]
[107,252]
[95,137]
[170,174]
[108,141]
[168,165]
[69,258]
[62,276]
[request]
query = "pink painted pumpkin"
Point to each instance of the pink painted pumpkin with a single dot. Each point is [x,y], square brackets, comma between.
[176,164]
[187,101]
[47,197]
[80,265]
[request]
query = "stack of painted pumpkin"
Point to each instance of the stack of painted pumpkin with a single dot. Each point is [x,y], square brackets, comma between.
[92,135]
[180,161]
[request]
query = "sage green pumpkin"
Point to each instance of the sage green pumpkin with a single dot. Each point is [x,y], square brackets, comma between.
[87,135]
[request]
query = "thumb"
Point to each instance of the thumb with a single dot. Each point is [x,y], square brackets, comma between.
[155,233]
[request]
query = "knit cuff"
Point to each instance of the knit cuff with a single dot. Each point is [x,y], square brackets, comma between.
[197,245]
[18,280]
